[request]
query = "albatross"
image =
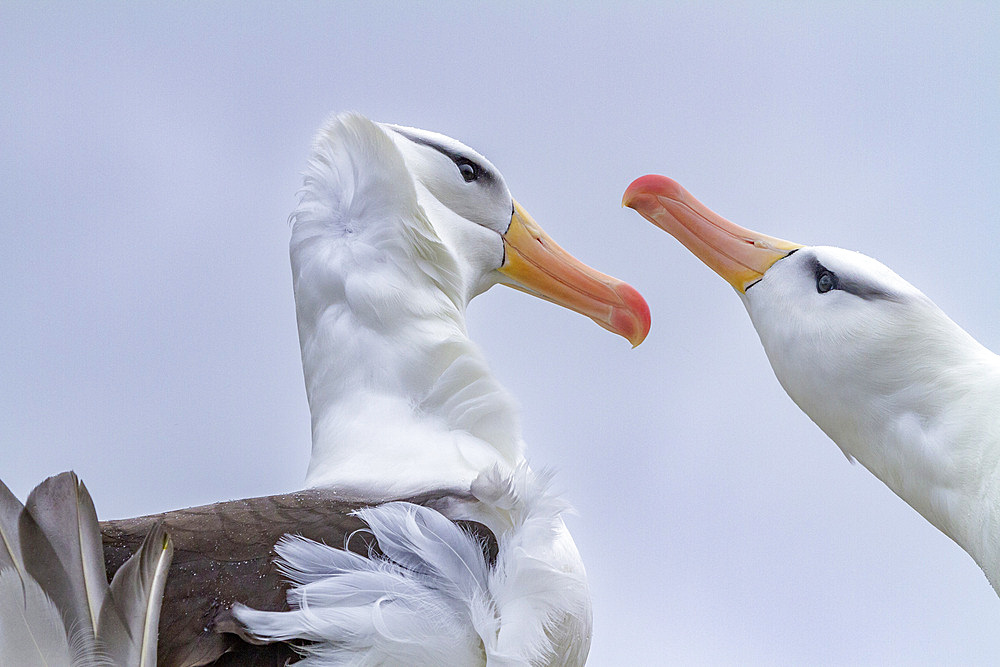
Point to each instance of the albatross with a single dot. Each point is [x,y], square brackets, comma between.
[423,536]
[890,378]
[396,230]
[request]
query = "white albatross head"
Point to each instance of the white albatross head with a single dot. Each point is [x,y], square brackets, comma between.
[868,357]
[395,231]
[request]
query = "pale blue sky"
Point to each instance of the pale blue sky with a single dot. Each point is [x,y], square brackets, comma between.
[149,157]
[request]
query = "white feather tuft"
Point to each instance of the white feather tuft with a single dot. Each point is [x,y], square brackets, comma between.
[538,585]
[431,598]
[412,606]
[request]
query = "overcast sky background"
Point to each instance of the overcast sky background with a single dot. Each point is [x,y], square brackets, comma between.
[149,158]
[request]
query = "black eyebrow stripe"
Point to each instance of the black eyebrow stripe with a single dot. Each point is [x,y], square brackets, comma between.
[857,288]
[454,157]
[483,176]
[864,291]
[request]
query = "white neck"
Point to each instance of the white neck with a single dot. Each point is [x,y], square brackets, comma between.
[923,416]
[940,452]
[942,449]
[401,399]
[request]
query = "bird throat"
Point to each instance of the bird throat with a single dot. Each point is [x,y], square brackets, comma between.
[402,407]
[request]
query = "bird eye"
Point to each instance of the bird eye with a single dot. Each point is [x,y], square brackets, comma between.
[468,170]
[825,282]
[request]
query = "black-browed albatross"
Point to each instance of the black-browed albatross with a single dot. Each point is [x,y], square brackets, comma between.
[397,229]
[869,358]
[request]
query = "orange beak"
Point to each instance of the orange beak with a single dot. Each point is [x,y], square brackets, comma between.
[535,264]
[739,255]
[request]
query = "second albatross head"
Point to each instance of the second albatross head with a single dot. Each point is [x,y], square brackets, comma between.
[874,362]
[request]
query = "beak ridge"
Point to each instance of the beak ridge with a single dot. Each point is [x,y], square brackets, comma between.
[739,255]
[534,263]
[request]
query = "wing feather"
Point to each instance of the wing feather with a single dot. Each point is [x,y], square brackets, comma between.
[65,514]
[130,619]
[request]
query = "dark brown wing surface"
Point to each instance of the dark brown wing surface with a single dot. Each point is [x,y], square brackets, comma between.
[223,553]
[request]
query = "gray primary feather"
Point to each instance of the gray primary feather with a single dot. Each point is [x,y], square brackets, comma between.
[56,607]
[65,516]
[136,592]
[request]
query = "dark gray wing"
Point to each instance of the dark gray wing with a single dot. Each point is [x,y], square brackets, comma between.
[223,553]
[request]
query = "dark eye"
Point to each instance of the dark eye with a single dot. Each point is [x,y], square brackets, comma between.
[825,282]
[468,170]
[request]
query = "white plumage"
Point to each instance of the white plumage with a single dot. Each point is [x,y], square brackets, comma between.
[433,594]
[894,382]
[876,364]
[396,230]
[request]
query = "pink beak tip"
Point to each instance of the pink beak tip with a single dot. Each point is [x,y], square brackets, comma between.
[653,185]
[634,320]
